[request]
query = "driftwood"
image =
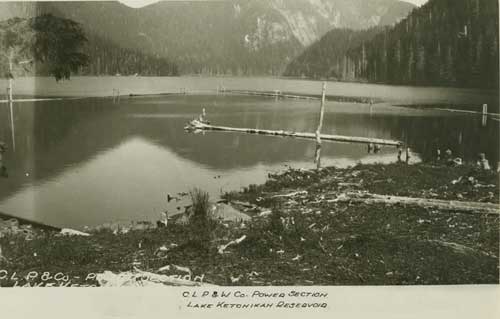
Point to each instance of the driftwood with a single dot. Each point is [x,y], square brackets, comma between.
[2,258]
[291,194]
[72,232]
[139,278]
[175,267]
[197,125]
[462,206]
[460,249]
[234,242]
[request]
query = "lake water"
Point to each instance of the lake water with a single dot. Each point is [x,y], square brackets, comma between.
[90,161]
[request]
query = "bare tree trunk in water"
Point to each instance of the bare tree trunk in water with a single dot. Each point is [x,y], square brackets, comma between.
[317,159]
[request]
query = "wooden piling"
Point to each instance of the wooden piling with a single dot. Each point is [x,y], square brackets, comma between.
[484,119]
[9,94]
[321,113]
[320,126]
[11,77]
[13,128]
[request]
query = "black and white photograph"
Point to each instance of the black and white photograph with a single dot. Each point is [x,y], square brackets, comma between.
[249,143]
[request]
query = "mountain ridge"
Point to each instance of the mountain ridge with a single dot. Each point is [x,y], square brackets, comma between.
[237,37]
[444,42]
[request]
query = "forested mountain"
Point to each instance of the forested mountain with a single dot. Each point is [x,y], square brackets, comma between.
[108,58]
[327,58]
[445,42]
[239,37]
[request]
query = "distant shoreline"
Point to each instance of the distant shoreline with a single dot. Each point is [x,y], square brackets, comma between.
[107,86]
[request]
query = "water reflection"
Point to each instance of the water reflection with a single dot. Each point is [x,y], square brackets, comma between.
[3,168]
[4,146]
[12,125]
[86,162]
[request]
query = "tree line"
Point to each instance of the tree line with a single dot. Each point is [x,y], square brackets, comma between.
[49,45]
[444,42]
[327,58]
[107,58]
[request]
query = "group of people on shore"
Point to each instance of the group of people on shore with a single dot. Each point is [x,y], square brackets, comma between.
[450,160]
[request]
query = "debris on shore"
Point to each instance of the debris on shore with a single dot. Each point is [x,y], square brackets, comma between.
[297,232]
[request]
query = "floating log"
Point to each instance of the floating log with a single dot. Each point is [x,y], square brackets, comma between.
[462,206]
[275,93]
[33,100]
[484,111]
[197,125]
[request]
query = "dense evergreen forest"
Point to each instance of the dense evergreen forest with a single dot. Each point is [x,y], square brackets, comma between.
[106,58]
[237,37]
[327,58]
[445,42]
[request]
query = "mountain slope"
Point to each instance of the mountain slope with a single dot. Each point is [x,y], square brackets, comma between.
[245,37]
[445,42]
[107,58]
[326,59]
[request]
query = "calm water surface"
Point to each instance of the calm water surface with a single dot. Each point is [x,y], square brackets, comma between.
[87,162]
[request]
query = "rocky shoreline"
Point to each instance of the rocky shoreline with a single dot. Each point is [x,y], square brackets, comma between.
[300,231]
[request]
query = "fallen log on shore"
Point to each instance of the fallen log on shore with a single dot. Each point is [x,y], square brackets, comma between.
[453,205]
[221,248]
[197,125]
[460,249]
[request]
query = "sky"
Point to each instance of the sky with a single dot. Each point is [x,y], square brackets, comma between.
[142,3]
